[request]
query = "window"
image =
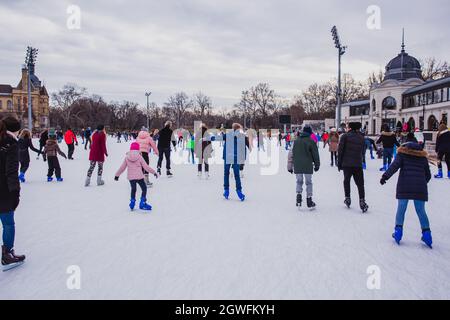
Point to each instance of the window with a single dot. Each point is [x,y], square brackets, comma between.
[9,105]
[389,103]
[429,97]
[1,104]
[437,96]
[374,105]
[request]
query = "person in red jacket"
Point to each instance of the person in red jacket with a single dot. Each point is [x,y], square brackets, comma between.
[71,139]
[97,155]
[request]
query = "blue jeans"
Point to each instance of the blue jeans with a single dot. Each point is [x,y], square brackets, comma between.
[420,210]
[237,177]
[9,229]
[388,153]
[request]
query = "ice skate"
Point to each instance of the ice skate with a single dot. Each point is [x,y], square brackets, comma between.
[439,175]
[310,203]
[132,204]
[363,205]
[10,260]
[22,177]
[226,194]
[143,205]
[299,200]
[87,182]
[169,174]
[100,182]
[241,196]
[398,234]
[427,238]
[59,179]
[348,202]
[49,179]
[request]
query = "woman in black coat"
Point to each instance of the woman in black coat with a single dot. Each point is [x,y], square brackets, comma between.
[414,176]
[9,187]
[25,143]
[443,150]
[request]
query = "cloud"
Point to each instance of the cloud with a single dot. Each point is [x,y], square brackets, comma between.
[125,48]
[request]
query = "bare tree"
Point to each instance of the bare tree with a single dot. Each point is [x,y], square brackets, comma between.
[65,98]
[203,105]
[433,69]
[177,106]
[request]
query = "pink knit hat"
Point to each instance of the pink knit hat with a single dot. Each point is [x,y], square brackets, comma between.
[135,146]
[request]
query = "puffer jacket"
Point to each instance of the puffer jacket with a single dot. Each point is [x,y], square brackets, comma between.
[134,163]
[9,168]
[52,149]
[388,139]
[304,156]
[146,142]
[333,141]
[443,142]
[351,150]
[415,173]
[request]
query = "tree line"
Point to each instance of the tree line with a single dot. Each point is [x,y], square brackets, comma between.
[259,106]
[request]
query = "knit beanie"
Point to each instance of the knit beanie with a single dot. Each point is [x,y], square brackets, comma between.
[307,129]
[135,146]
[355,126]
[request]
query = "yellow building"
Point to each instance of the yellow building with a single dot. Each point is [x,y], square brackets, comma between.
[14,100]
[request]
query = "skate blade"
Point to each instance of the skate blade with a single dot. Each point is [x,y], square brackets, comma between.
[12,266]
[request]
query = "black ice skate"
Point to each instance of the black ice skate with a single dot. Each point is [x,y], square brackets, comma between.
[310,203]
[299,200]
[169,174]
[363,205]
[348,202]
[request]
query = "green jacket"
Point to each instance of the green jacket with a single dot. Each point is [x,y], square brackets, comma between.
[304,156]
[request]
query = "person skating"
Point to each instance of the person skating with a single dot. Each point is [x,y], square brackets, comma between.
[136,166]
[388,139]
[350,160]
[87,137]
[71,140]
[25,143]
[164,141]
[412,183]
[234,154]
[97,155]
[146,144]
[119,137]
[443,150]
[190,145]
[9,189]
[333,142]
[42,141]
[303,160]
[50,154]
[369,144]
[203,150]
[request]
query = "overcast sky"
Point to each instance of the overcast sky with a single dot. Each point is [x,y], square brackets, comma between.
[127,47]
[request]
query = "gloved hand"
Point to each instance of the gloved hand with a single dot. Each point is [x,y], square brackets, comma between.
[156,175]
[76,143]
[383,181]
[291,171]
[116,178]
[316,169]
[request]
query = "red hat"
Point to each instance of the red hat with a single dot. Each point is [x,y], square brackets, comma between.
[135,146]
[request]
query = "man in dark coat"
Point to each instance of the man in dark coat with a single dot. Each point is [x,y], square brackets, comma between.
[303,160]
[164,148]
[443,150]
[350,160]
[412,183]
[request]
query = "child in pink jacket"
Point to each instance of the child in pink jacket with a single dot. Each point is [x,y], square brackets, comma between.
[146,144]
[135,164]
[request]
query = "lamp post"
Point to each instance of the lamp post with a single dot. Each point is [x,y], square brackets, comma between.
[341,52]
[148,94]
[30,61]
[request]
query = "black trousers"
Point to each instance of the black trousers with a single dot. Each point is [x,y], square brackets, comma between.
[141,183]
[146,159]
[88,141]
[334,158]
[358,176]
[71,150]
[206,166]
[164,153]
[24,165]
[441,157]
[53,167]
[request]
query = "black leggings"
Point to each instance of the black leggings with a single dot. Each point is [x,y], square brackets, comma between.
[146,159]
[165,152]
[358,176]
[334,157]
[206,165]
[53,167]
[141,184]
[24,165]
[441,157]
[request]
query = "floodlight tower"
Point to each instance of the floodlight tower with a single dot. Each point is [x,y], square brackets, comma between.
[30,61]
[341,51]
[148,94]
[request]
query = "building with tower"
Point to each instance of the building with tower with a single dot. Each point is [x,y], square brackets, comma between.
[402,97]
[14,100]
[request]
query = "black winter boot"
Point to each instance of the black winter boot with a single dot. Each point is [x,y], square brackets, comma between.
[363,205]
[348,202]
[310,203]
[299,199]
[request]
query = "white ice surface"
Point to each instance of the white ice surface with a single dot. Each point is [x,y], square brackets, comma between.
[196,245]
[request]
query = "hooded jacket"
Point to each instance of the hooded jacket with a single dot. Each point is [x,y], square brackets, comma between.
[443,142]
[415,172]
[134,163]
[304,156]
[146,142]
[9,168]
[51,149]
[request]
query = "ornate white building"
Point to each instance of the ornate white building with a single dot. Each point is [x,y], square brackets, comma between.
[403,96]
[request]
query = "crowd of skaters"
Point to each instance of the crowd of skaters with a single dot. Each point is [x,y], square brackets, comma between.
[402,152]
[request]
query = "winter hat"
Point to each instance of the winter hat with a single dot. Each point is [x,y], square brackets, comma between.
[135,146]
[100,127]
[52,132]
[144,129]
[333,130]
[11,124]
[307,129]
[355,126]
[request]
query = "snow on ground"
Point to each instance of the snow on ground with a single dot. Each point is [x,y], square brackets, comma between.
[196,245]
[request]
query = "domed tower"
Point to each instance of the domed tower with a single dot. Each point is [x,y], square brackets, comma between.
[403,66]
